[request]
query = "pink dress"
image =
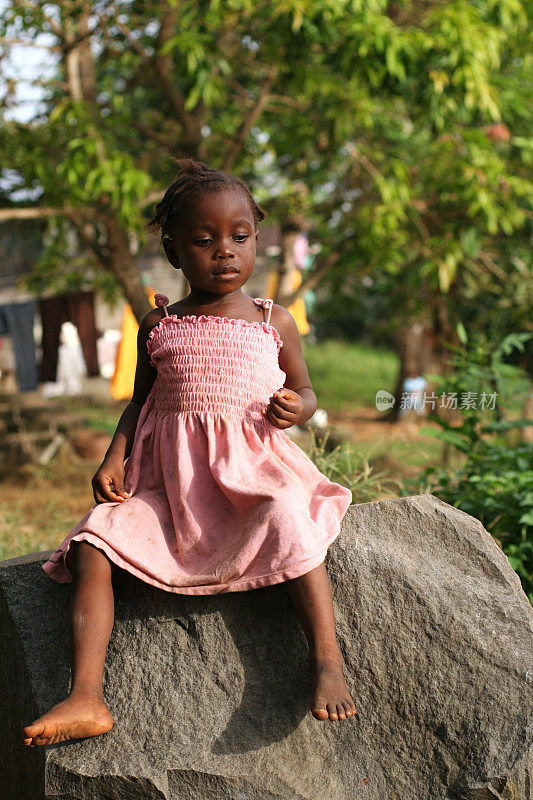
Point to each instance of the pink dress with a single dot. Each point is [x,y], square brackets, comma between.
[221,499]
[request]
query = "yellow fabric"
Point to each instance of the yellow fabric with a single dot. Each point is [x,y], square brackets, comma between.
[297,309]
[123,378]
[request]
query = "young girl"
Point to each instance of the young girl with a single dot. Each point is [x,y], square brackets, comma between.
[215,497]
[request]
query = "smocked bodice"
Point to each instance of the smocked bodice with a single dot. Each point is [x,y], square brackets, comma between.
[215,365]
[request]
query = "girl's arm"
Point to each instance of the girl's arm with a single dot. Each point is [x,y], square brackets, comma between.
[108,481]
[295,402]
[145,375]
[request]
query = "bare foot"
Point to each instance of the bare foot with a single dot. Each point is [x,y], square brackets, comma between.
[330,698]
[78,716]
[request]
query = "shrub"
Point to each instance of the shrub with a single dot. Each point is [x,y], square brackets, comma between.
[495,481]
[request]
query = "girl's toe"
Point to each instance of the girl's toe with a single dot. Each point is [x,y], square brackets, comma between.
[341,713]
[320,713]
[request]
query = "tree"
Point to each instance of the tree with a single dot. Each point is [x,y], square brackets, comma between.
[386,113]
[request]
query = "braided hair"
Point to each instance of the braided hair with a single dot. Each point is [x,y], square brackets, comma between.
[193,179]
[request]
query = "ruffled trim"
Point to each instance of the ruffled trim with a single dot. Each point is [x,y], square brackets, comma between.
[242,323]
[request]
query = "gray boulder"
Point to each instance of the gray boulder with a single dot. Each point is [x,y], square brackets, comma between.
[210,694]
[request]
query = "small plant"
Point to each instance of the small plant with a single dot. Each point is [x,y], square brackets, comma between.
[495,482]
[351,469]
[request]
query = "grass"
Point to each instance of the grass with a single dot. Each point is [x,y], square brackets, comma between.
[39,505]
[347,374]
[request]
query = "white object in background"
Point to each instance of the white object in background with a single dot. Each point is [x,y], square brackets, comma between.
[301,250]
[107,349]
[319,418]
[71,365]
[413,390]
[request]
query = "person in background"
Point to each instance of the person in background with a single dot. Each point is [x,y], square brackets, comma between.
[412,392]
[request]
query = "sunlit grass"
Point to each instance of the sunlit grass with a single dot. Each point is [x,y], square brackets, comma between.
[348,374]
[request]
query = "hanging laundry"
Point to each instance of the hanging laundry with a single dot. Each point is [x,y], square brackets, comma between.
[16,320]
[71,367]
[78,308]
[123,378]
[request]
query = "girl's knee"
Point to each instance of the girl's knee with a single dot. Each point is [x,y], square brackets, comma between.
[89,559]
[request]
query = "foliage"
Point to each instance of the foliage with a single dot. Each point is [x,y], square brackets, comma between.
[402,130]
[495,481]
[351,469]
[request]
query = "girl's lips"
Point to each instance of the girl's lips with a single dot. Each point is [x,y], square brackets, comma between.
[226,274]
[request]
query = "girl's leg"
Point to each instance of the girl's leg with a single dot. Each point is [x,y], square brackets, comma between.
[311,596]
[91,616]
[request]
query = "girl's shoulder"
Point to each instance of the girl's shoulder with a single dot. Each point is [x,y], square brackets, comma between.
[283,320]
[151,319]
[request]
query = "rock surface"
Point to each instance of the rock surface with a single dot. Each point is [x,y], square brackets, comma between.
[210,694]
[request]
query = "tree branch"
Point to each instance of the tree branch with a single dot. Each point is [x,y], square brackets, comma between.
[56,29]
[250,118]
[289,101]
[133,42]
[28,43]
[7,214]
[163,65]
[92,244]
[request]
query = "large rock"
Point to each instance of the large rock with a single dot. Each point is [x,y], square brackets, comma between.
[210,694]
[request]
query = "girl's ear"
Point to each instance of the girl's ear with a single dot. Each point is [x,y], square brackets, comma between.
[169,252]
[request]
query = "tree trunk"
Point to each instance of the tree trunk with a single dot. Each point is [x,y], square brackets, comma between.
[416,349]
[115,254]
[421,348]
[287,265]
[122,263]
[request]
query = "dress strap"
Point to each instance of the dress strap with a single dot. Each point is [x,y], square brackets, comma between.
[266,303]
[161,301]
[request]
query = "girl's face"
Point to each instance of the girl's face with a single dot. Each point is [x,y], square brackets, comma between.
[215,242]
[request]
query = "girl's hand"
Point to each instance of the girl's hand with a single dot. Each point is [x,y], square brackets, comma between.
[285,408]
[108,482]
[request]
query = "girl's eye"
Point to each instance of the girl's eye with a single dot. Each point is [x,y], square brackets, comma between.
[240,238]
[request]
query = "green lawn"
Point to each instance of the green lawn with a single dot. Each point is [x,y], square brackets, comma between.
[349,374]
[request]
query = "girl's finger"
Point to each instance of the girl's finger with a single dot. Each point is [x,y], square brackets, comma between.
[278,421]
[270,416]
[110,496]
[280,398]
[113,496]
[288,403]
[280,411]
[116,488]
[285,395]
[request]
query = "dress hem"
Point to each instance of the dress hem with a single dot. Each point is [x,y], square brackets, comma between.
[296,571]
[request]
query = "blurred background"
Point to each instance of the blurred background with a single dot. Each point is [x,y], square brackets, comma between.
[390,144]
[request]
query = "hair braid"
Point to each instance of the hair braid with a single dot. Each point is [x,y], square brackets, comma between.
[193,178]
